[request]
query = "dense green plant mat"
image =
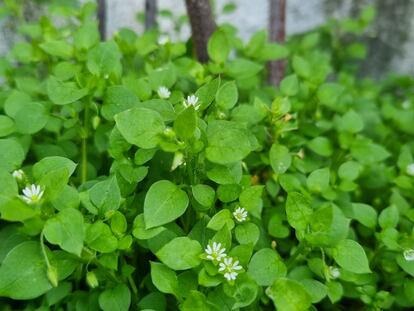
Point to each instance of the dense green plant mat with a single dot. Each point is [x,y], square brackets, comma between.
[134,177]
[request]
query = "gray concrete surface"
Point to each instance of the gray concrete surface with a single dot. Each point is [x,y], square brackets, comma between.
[391,40]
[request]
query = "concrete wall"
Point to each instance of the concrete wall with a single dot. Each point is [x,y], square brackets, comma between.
[391,40]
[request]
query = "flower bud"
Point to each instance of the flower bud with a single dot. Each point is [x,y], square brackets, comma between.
[52,275]
[96,120]
[409,254]
[92,280]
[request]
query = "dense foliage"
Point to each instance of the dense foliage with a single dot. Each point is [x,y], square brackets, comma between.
[134,177]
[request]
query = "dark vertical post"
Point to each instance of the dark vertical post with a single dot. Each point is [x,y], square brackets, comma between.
[101,15]
[277,33]
[202,26]
[150,14]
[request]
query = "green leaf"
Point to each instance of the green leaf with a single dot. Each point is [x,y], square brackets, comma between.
[115,299]
[218,46]
[140,232]
[280,158]
[15,102]
[228,193]
[165,76]
[44,166]
[228,142]
[186,123]
[351,256]
[180,253]
[329,94]
[164,279]
[203,194]
[117,99]
[244,291]
[119,224]
[6,126]
[106,195]
[349,170]
[328,226]
[251,200]
[63,93]
[196,301]
[368,152]
[289,295]
[316,289]
[301,67]
[23,272]
[318,180]
[86,36]
[53,174]
[247,233]
[290,85]
[221,219]
[13,158]
[66,230]
[140,126]
[407,266]
[241,68]
[225,174]
[266,266]
[105,59]
[298,211]
[207,93]
[57,48]
[321,145]
[31,119]
[164,203]
[227,95]
[14,209]
[365,214]
[8,184]
[389,217]
[68,198]
[100,238]
[351,122]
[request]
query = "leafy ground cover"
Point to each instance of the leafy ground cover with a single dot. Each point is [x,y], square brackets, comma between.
[134,177]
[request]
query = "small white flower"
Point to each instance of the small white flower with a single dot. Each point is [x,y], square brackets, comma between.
[240,214]
[406,104]
[18,175]
[334,272]
[410,169]
[229,268]
[163,92]
[192,100]
[163,39]
[32,194]
[409,254]
[215,252]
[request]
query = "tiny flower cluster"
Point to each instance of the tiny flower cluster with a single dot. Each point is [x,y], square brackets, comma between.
[192,100]
[163,92]
[32,194]
[240,214]
[216,253]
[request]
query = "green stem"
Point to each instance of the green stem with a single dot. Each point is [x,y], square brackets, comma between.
[84,173]
[297,252]
[133,287]
[42,246]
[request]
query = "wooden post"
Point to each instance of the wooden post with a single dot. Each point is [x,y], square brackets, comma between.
[202,26]
[277,33]
[101,15]
[150,14]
